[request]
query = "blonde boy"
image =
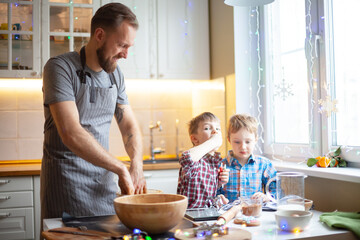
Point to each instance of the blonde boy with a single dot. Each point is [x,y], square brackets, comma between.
[199,175]
[248,173]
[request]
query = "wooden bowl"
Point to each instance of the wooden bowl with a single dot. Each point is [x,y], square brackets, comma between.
[149,191]
[152,213]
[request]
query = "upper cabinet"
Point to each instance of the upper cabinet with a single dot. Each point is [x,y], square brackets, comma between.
[19,39]
[65,25]
[172,41]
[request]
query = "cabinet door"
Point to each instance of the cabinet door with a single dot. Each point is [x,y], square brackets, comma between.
[19,39]
[183,39]
[65,25]
[138,64]
[16,223]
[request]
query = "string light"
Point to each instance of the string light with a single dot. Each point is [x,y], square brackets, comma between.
[311,79]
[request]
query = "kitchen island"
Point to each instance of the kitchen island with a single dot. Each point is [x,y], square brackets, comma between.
[266,231]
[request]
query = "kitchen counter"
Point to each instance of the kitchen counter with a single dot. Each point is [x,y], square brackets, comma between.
[33,167]
[268,229]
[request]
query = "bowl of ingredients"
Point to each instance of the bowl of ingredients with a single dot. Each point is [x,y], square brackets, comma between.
[148,191]
[251,207]
[293,220]
[152,213]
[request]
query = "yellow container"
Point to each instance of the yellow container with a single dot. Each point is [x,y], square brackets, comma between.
[4,26]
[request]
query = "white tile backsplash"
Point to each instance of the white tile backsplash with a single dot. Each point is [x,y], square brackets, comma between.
[8,122]
[8,99]
[8,149]
[30,99]
[31,124]
[22,117]
[30,148]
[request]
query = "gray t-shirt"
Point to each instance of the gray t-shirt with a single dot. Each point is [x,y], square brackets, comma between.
[61,82]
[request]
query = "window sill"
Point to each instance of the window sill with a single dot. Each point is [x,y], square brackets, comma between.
[348,174]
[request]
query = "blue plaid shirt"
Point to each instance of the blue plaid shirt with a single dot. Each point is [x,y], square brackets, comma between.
[246,180]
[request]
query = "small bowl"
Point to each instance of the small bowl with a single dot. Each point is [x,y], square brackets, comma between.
[293,220]
[307,203]
[152,213]
[148,191]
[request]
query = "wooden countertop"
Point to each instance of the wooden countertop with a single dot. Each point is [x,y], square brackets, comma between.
[33,167]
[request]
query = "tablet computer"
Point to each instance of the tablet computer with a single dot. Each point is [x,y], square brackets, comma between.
[202,214]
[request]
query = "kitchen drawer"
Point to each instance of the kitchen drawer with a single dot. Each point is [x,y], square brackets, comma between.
[16,223]
[16,199]
[13,184]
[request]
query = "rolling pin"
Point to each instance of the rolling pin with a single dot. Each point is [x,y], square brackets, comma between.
[228,215]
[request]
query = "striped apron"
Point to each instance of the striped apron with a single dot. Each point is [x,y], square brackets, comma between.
[69,183]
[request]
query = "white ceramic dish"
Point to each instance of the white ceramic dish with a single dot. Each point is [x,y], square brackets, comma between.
[293,220]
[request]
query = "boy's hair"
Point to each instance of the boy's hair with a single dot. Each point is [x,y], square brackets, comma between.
[205,116]
[238,121]
[111,15]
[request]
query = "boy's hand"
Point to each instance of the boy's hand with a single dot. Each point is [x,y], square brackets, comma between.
[224,175]
[259,195]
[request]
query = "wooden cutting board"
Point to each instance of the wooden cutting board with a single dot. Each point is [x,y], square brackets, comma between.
[234,234]
[49,235]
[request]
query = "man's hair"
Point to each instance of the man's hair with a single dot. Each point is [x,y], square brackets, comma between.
[111,15]
[238,121]
[205,116]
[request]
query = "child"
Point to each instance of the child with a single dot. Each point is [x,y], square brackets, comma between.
[248,173]
[199,174]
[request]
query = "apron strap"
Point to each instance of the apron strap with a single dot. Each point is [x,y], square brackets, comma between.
[82,75]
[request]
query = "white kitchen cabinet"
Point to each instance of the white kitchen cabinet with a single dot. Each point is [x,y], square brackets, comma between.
[16,208]
[20,39]
[65,25]
[172,41]
[165,180]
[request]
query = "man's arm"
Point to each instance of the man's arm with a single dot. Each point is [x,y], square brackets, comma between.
[84,145]
[133,144]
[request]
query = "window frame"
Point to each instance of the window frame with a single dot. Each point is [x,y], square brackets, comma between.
[323,70]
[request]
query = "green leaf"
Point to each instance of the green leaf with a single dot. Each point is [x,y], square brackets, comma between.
[342,163]
[311,162]
[337,152]
[332,162]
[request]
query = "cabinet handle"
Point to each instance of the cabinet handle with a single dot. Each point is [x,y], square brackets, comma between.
[5,181]
[5,215]
[5,197]
[161,75]
[152,75]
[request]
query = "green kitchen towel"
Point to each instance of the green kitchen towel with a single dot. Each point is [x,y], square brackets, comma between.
[348,220]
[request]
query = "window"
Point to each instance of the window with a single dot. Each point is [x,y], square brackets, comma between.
[312,78]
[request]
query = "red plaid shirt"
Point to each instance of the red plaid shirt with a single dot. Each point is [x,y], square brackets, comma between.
[198,180]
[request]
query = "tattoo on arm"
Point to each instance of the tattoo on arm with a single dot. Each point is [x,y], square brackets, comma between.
[119,114]
[129,138]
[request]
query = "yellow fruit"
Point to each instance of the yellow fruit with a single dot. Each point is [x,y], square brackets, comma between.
[323,162]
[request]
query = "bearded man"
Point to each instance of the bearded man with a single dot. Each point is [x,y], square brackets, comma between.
[82,92]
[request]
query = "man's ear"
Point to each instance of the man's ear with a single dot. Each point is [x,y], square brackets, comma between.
[99,34]
[194,139]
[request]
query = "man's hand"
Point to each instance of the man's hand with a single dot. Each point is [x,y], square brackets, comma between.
[125,182]
[138,179]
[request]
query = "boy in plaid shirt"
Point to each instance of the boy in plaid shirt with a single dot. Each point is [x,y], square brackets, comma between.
[248,173]
[199,175]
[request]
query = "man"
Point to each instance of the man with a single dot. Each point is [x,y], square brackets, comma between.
[82,93]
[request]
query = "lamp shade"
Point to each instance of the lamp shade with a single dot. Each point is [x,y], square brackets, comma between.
[247,3]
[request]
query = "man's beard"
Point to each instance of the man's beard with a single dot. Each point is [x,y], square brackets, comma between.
[105,63]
